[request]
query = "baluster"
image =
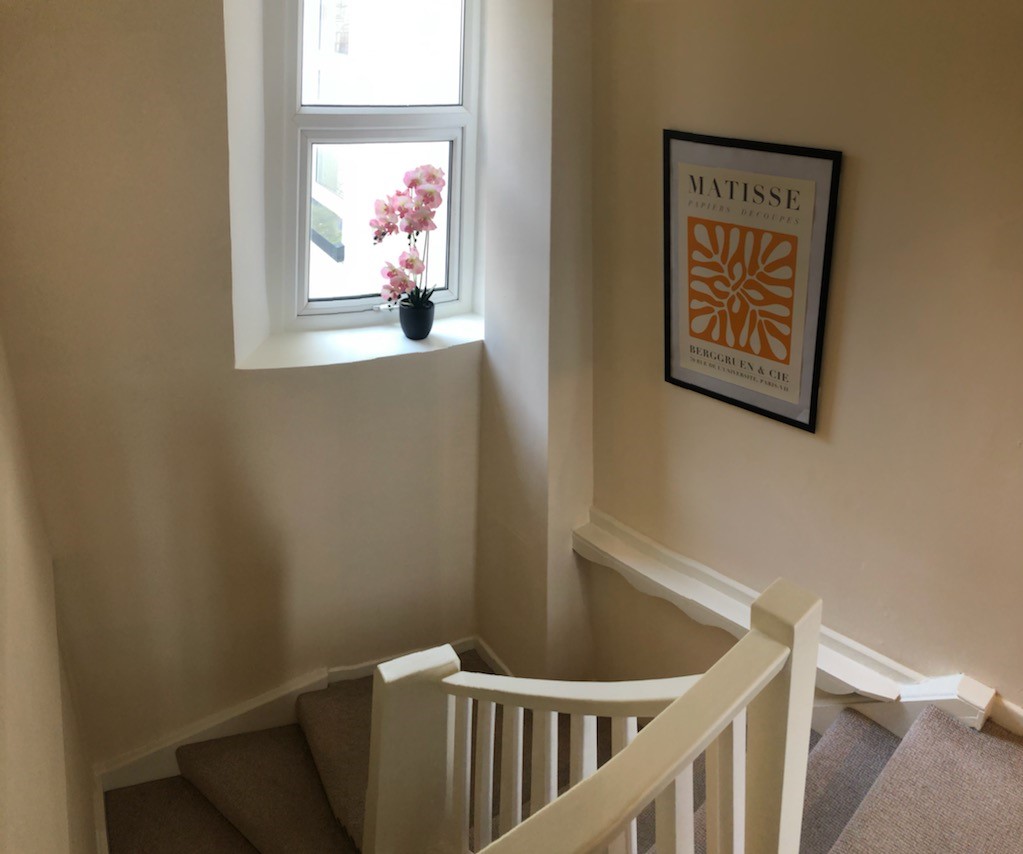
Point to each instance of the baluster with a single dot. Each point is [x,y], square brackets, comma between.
[623,731]
[674,827]
[484,806]
[726,789]
[511,768]
[461,778]
[583,748]
[544,785]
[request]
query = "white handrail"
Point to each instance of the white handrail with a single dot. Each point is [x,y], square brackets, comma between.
[592,813]
[754,705]
[643,698]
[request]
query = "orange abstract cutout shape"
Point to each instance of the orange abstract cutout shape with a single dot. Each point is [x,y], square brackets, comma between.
[742,287]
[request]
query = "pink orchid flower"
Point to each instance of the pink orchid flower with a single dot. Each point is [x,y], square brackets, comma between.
[428,195]
[421,219]
[411,262]
[398,282]
[425,174]
[401,203]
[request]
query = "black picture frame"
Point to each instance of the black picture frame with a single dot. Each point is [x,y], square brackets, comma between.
[748,235]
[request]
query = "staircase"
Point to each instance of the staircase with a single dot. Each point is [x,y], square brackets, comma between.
[944,789]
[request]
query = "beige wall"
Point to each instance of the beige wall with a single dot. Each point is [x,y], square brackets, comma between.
[904,510]
[216,532]
[37,721]
[515,157]
[536,437]
[81,783]
[570,391]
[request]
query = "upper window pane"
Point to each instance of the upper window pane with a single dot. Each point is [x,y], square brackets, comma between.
[382,53]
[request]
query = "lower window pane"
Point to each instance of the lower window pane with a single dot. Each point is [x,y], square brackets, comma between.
[347,179]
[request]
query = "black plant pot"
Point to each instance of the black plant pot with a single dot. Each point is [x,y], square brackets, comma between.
[416,322]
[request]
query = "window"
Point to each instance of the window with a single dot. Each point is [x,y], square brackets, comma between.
[357,93]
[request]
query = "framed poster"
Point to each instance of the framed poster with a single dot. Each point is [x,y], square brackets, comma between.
[748,229]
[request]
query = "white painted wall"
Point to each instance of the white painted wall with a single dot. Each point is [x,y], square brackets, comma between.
[38,739]
[570,388]
[216,532]
[903,511]
[511,596]
[535,436]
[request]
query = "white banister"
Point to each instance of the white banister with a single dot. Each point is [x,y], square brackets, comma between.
[779,721]
[623,731]
[643,698]
[726,790]
[674,821]
[484,806]
[409,742]
[770,671]
[582,760]
[543,787]
[750,712]
[590,814]
[461,778]
[511,768]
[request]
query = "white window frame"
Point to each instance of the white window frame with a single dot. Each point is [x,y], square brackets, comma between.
[292,129]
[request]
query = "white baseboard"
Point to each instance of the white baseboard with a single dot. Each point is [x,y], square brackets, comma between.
[272,708]
[885,690]
[157,760]
[486,652]
[1007,715]
[959,696]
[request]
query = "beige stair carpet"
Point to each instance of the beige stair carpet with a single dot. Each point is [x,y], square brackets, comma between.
[843,766]
[265,783]
[336,723]
[169,817]
[946,790]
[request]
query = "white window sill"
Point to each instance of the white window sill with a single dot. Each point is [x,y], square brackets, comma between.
[340,346]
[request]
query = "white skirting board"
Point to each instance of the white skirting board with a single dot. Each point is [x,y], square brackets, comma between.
[959,696]
[157,760]
[851,673]
[269,709]
[1007,715]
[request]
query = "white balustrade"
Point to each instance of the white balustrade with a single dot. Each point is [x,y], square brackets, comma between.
[484,806]
[623,731]
[544,779]
[750,713]
[511,768]
[674,821]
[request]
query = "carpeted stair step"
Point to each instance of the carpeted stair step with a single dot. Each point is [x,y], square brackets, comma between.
[336,723]
[947,790]
[647,828]
[265,783]
[169,817]
[842,767]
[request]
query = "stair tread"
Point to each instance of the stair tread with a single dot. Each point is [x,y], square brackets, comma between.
[647,826]
[169,817]
[841,769]
[336,723]
[947,790]
[266,784]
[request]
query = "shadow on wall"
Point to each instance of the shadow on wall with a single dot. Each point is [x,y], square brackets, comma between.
[194,604]
[511,566]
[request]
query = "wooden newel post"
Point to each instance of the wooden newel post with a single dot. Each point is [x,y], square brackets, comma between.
[778,732]
[409,774]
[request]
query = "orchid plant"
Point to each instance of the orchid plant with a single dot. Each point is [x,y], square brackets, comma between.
[411,212]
